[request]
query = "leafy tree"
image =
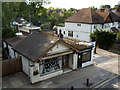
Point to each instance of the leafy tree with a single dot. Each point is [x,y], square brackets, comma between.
[116,6]
[8,32]
[103,38]
[67,14]
[45,26]
[93,7]
[54,19]
[11,10]
[105,6]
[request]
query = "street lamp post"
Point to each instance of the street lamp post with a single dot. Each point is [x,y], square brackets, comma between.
[28,3]
[29,15]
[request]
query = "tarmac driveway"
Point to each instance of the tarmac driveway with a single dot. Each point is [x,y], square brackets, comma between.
[105,66]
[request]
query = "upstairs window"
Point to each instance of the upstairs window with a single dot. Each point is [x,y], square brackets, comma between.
[78,24]
[70,33]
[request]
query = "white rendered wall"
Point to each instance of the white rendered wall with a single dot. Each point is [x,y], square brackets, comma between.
[11,51]
[73,27]
[71,61]
[58,48]
[75,58]
[4,44]
[83,36]
[25,65]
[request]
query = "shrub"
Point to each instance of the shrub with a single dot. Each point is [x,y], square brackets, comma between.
[103,38]
[45,26]
[8,32]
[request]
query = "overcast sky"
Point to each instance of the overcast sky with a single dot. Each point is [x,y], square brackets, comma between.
[78,4]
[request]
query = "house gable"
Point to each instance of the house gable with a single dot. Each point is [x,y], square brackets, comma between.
[58,48]
[59,42]
[108,19]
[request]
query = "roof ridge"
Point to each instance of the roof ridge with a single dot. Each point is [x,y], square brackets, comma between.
[91,15]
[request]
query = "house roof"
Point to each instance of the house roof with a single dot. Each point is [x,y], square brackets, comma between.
[19,19]
[118,14]
[90,16]
[86,15]
[114,29]
[37,44]
[13,41]
[104,15]
[115,17]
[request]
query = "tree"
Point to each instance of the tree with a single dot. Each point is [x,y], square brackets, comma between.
[103,38]
[67,14]
[54,19]
[105,6]
[11,10]
[116,6]
[93,7]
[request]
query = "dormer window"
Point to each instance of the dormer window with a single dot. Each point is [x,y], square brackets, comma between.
[78,24]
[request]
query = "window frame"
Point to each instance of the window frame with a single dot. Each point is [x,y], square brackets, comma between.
[70,33]
[89,56]
[78,24]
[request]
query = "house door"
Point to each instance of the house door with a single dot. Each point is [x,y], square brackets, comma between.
[79,64]
[65,61]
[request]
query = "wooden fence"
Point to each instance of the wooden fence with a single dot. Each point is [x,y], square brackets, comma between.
[11,66]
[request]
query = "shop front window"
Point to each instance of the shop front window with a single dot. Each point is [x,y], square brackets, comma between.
[50,65]
[86,56]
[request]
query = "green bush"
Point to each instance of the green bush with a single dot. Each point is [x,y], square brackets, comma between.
[119,36]
[46,26]
[8,32]
[104,39]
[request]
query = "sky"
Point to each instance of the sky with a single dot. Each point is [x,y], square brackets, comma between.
[78,4]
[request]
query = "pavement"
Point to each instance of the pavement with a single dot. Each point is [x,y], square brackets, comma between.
[105,66]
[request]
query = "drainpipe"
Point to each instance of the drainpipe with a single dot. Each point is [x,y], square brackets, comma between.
[91,30]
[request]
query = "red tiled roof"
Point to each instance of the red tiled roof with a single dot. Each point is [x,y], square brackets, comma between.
[86,15]
[90,16]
